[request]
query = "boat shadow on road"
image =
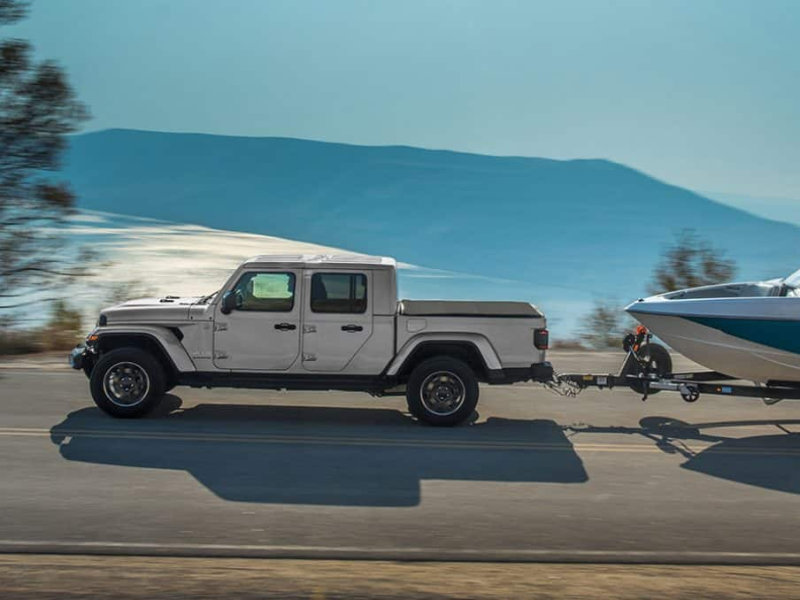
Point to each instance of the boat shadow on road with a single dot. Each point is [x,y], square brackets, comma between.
[767,461]
[319,455]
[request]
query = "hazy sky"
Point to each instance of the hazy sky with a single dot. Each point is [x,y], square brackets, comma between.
[703,94]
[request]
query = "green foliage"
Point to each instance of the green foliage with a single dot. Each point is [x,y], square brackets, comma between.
[690,262]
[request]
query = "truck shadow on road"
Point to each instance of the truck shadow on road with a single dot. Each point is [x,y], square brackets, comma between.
[767,461]
[320,455]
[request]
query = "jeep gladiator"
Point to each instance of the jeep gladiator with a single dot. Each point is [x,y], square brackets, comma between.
[330,322]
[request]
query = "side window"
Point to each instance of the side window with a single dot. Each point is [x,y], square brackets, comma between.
[338,293]
[272,292]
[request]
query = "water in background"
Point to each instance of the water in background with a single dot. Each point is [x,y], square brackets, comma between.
[153,257]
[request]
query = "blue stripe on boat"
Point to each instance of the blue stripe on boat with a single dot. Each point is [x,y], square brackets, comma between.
[783,335]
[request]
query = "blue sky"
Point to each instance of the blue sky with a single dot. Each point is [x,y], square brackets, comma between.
[702,94]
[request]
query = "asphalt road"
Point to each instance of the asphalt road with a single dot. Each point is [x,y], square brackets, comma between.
[604,477]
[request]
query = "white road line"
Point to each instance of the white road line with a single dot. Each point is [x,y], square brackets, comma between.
[111,547]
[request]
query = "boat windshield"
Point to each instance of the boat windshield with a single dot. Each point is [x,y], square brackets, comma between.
[793,280]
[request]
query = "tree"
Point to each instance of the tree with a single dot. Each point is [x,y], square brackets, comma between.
[64,328]
[605,326]
[38,109]
[690,262]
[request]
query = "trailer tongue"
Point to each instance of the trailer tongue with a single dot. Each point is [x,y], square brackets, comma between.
[647,369]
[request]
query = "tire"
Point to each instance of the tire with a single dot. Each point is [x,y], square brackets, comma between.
[170,381]
[442,391]
[127,382]
[658,361]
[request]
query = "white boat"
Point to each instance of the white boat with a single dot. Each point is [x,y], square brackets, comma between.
[745,330]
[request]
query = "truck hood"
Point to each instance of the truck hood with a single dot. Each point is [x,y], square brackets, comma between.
[170,309]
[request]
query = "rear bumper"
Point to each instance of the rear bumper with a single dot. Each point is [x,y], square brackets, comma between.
[539,372]
[542,372]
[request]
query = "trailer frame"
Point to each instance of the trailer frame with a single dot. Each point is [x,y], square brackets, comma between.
[642,374]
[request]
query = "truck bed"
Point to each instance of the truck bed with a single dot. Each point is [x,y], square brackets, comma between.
[467,308]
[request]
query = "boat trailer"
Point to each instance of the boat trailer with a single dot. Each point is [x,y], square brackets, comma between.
[647,369]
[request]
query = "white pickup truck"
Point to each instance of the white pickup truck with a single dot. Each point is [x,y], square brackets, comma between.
[313,323]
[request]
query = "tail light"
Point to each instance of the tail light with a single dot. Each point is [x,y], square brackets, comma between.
[541,339]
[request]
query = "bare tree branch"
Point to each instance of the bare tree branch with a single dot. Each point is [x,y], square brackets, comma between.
[29,302]
[74,273]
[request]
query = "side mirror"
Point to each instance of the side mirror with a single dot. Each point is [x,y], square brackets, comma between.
[228,302]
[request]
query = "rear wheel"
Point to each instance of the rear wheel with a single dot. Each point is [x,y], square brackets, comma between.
[442,391]
[127,382]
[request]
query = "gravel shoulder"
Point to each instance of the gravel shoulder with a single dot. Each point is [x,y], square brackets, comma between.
[45,577]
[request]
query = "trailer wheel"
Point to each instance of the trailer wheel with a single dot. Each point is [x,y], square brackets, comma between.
[689,393]
[656,360]
[442,391]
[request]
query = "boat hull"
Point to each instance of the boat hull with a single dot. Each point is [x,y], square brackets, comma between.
[745,346]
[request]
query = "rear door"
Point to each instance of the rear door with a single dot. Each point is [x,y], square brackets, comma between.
[263,332]
[337,318]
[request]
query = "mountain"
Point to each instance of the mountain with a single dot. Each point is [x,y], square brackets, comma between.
[558,233]
[779,209]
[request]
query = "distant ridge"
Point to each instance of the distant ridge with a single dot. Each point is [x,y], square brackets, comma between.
[591,228]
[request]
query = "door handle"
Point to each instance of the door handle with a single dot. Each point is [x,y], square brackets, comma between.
[285,326]
[352,328]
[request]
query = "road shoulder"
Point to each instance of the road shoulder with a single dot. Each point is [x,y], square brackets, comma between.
[130,577]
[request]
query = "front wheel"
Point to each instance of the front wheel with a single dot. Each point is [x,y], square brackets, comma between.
[442,391]
[127,382]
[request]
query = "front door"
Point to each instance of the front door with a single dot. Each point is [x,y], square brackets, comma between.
[263,332]
[337,318]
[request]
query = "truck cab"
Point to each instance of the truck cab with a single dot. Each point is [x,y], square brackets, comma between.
[312,315]
[313,322]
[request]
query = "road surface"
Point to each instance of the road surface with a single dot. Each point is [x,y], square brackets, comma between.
[601,478]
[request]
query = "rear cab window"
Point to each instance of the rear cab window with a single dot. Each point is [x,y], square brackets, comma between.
[341,293]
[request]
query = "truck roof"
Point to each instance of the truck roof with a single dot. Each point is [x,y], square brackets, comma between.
[328,260]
